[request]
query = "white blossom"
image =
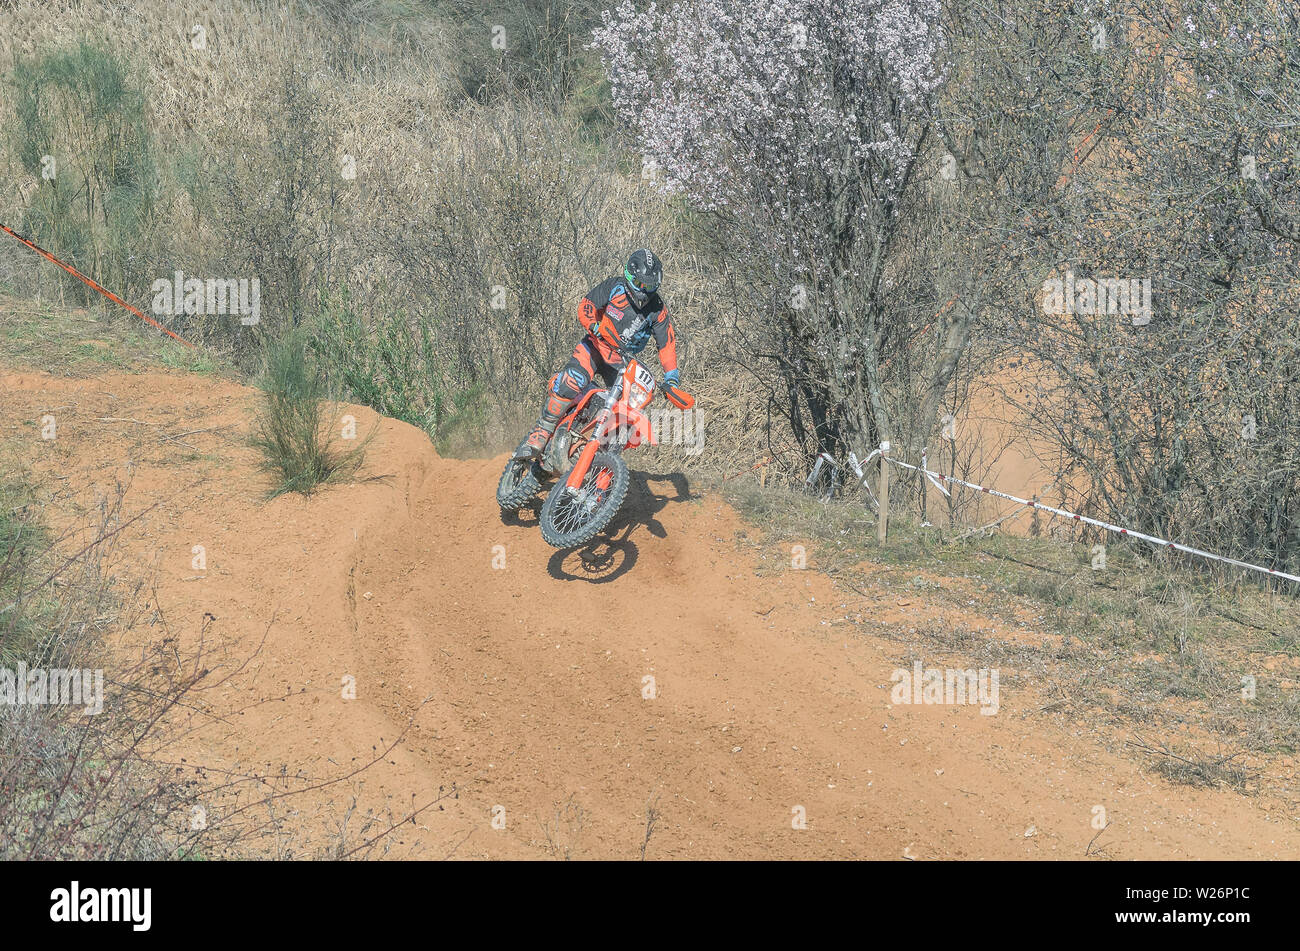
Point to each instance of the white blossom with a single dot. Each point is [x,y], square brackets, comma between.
[762,104]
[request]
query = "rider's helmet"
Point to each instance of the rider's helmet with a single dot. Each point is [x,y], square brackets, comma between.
[643,273]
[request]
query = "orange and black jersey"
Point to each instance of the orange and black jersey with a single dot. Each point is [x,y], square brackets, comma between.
[609,304]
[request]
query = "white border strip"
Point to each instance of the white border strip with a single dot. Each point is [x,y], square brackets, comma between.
[1091,521]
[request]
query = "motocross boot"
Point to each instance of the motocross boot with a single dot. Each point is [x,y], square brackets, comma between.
[535,441]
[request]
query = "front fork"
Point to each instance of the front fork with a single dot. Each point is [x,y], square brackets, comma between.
[583,463]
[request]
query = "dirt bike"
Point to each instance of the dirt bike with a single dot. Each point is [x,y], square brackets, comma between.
[588,442]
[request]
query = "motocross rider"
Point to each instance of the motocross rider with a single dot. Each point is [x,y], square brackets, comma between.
[619,313]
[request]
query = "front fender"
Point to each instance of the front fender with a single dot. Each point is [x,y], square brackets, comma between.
[631,427]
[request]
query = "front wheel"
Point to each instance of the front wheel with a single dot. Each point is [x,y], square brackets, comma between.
[573,518]
[518,484]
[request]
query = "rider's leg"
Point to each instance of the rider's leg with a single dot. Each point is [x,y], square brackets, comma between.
[570,382]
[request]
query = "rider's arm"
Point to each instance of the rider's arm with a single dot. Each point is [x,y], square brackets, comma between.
[665,340]
[588,313]
[591,309]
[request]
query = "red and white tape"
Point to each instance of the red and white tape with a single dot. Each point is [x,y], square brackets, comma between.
[1118,529]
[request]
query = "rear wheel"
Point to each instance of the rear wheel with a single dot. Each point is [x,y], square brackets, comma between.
[573,518]
[519,483]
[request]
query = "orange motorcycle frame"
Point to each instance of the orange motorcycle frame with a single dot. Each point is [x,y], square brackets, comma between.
[633,385]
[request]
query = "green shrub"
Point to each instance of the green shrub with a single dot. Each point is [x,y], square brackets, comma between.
[294,430]
[387,363]
[81,131]
[464,426]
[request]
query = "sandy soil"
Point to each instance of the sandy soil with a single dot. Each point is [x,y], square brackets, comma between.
[519,674]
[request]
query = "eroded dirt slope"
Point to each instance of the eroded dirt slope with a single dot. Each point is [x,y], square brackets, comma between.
[519,674]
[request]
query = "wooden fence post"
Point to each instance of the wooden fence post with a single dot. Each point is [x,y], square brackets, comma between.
[882,523]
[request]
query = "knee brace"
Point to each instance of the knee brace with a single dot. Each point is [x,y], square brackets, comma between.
[570,382]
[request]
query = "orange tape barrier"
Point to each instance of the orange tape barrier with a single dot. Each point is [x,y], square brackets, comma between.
[91,283]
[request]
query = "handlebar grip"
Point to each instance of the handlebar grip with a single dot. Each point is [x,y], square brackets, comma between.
[677,396]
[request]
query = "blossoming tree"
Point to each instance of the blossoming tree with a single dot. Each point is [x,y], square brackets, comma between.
[798,126]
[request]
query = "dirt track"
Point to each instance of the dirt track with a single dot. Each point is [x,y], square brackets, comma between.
[533,674]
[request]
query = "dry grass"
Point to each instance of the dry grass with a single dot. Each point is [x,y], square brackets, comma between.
[197,92]
[380,77]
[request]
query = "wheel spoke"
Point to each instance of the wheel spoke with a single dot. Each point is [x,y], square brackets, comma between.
[573,516]
[575,509]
